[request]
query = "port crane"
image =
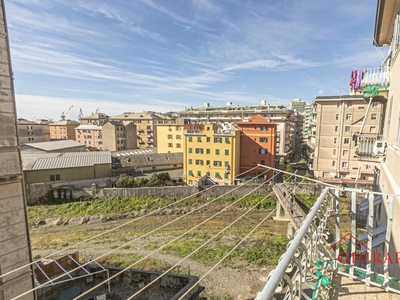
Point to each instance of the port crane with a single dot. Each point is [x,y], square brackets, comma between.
[65,112]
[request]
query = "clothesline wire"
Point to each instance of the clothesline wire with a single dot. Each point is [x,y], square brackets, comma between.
[144,235]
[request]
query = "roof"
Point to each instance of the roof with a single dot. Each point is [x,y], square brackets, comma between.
[257,119]
[343,97]
[68,160]
[53,145]
[131,115]
[64,122]
[95,117]
[134,152]
[88,127]
[26,122]
[29,157]
[386,12]
[154,159]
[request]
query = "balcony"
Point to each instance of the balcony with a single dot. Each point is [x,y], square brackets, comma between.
[373,83]
[370,146]
[193,132]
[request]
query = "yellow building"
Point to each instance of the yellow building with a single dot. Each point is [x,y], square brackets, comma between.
[211,152]
[170,138]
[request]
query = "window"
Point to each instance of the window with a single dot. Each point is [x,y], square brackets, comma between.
[169,145]
[217,151]
[52,178]
[208,128]
[190,182]
[346,141]
[349,104]
[226,152]
[208,151]
[199,162]
[190,150]
[199,173]
[178,145]
[345,152]
[344,165]
[207,163]
[217,175]
[262,162]
[338,105]
[217,163]
[335,140]
[337,116]
[348,117]
[208,139]
[336,128]
[263,140]
[373,116]
[347,129]
[227,164]
[262,151]
[199,139]
[199,150]
[334,152]
[372,129]
[264,128]
[217,140]
[190,138]
[374,104]
[227,140]
[190,161]
[190,172]
[226,175]
[178,137]
[170,136]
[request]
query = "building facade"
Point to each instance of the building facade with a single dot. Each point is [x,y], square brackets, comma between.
[90,136]
[63,130]
[97,119]
[338,122]
[15,253]
[388,173]
[117,136]
[289,125]
[211,151]
[145,126]
[30,132]
[257,145]
[297,105]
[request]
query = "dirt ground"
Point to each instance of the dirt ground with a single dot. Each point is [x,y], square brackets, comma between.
[239,280]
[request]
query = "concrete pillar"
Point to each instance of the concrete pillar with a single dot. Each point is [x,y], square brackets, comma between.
[280,213]
[290,231]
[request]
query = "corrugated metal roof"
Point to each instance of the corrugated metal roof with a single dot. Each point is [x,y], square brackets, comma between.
[88,127]
[72,160]
[54,145]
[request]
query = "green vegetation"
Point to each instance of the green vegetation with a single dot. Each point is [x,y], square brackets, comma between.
[157,179]
[115,207]
[309,200]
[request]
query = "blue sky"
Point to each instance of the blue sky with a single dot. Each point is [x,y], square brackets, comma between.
[163,55]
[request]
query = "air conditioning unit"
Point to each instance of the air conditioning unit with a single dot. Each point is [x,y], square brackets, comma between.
[379,148]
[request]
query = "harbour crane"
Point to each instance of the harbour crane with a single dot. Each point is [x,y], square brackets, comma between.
[80,114]
[65,112]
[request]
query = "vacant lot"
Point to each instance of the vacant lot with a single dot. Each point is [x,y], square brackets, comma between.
[145,242]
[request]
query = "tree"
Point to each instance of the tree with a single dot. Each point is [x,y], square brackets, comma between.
[141,181]
[289,169]
[158,179]
[125,182]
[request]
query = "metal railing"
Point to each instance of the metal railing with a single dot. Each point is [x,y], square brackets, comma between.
[313,256]
[367,145]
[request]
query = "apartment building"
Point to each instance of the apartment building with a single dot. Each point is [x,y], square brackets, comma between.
[94,119]
[289,125]
[211,151]
[145,125]
[63,130]
[170,138]
[257,145]
[15,252]
[297,105]
[90,135]
[338,122]
[387,33]
[118,135]
[30,132]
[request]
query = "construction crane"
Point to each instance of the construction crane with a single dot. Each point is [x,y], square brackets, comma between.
[80,114]
[65,112]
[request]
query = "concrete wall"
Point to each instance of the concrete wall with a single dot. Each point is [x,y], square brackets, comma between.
[14,235]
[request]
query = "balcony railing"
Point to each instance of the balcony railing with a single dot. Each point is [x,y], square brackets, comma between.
[370,145]
[194,131]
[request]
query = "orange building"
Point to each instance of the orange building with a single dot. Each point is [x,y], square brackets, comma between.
[257,145]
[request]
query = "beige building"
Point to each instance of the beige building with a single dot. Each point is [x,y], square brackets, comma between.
[117,136]
[90,136]
[388,172]
[336,124]
[297,105]
[145,124]
[63,130]
[30,132]
[94,119]
[15,253]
